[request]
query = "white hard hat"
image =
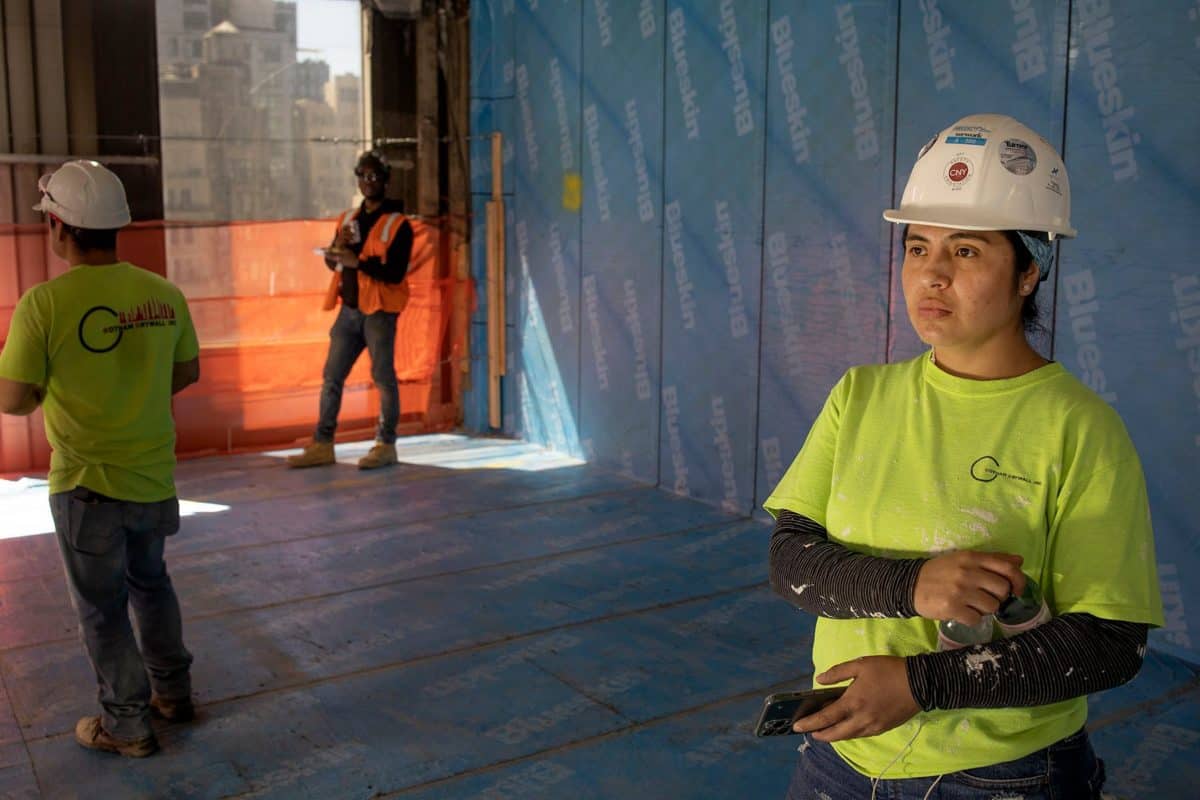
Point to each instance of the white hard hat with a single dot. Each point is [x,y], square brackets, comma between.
[84,194]
[988,172]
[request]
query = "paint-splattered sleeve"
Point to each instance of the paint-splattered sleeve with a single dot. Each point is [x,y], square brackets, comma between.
[830,580]
[1069,656]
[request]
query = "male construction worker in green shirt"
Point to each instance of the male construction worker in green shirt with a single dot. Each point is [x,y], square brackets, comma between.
[102,348]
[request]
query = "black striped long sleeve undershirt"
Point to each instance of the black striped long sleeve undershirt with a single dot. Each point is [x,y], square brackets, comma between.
[1069,656]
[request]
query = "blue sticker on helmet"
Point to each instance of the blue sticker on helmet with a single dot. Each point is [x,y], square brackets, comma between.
[965,140]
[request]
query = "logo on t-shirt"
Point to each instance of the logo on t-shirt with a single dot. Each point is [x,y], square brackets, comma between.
[986,469]
[101,327]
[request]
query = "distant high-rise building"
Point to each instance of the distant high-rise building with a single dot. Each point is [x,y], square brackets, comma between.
[311,77]
[250,132]
[344,96]
[181,28]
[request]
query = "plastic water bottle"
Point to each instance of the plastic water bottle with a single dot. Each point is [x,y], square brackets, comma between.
[1021,613]
[952,634]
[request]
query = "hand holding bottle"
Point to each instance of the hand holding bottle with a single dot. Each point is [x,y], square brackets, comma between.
[1024,611]
[967,585]
[953,635]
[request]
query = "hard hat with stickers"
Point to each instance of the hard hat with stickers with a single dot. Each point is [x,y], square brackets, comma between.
[988,172]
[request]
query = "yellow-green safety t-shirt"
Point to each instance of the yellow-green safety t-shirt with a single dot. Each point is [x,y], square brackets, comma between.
[103,341]
[906,460]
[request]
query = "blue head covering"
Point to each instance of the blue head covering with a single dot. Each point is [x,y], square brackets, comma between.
[1042,252]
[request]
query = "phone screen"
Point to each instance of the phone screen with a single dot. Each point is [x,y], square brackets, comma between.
[782,709]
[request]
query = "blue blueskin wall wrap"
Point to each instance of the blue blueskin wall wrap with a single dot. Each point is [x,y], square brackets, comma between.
[1128,315]
[830,111]
[809,90]
[486,42]
[959,57]
[716,65]
[492,90]
[548,189]
[622,236]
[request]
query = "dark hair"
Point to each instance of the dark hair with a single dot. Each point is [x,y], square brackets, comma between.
[374,159]
[87,239]
[1030,318]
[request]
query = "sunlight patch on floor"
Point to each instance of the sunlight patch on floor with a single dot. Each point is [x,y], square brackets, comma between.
[454,451]
[25,510]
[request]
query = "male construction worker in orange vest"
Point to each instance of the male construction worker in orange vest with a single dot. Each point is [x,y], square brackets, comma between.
[369,258]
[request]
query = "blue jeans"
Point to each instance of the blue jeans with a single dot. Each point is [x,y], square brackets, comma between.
[112,551]
[1066,770]
[353,331]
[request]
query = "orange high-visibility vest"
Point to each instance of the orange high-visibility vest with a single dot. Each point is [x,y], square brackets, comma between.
[373,295]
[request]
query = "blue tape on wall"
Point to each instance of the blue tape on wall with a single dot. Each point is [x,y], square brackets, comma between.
[829,158]
[959,57]
[1128,320]
[716,61]
[546,232]
[622,235]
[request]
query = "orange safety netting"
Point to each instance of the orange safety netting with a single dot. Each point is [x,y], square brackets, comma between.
[255,291]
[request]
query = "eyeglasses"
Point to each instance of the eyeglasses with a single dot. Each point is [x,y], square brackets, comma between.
[369,177]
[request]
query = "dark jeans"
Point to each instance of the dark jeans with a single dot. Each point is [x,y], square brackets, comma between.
[112,551]
[1066,770]
[351,332]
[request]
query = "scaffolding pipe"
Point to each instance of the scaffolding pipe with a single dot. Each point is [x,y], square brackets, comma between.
[45,159]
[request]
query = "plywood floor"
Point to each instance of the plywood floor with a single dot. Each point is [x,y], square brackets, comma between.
[485,621]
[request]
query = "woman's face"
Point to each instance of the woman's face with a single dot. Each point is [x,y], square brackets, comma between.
[961,288]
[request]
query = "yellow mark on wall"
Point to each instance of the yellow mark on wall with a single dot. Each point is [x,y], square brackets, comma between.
[572,191]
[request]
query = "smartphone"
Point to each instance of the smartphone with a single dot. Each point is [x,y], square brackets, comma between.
[782,709]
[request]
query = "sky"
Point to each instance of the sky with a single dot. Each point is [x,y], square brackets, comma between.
[333,28]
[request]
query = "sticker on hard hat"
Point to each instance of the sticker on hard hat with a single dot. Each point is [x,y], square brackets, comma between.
[958,171]
[975,140]
[1018,157]
[1052,184]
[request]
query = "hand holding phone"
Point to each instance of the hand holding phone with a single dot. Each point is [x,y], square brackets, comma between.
[782,709]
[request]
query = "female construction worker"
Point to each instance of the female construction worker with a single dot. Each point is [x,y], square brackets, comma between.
[933,489]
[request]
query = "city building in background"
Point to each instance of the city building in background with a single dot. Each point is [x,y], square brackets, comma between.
[255,129]
[252,127]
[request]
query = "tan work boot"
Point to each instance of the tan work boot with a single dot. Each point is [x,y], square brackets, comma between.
[316,454]
[180,710]
[91,734]
[381,455]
